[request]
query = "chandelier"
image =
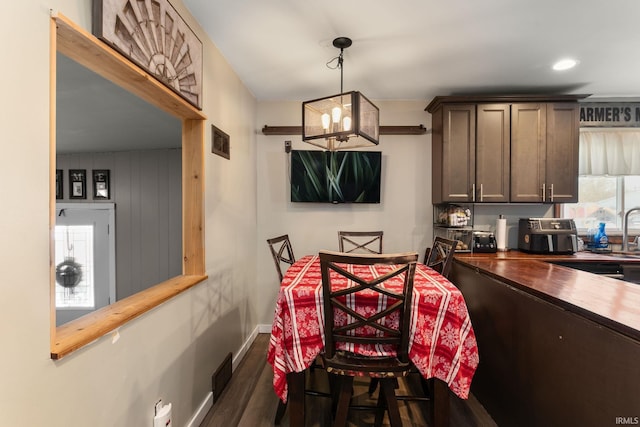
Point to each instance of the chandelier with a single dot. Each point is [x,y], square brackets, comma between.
[343,121]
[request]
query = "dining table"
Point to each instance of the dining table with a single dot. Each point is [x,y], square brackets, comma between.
[442,343]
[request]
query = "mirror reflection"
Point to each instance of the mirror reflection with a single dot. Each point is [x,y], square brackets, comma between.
[119,196]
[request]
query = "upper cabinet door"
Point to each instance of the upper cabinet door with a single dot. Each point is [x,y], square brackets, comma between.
[528,141]
[492,153]
[453,149]
[505,148]
[563,134]
[544,152]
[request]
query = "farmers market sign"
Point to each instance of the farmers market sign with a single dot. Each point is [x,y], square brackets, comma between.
[609,114]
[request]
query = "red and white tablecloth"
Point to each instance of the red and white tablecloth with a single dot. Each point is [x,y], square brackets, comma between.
[442,342]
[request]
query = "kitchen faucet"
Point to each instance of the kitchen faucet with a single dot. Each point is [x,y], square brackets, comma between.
[625,228]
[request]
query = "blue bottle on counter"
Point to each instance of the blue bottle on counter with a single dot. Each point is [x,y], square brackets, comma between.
[600,239]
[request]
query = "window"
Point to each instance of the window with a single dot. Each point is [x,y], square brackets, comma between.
[609,182]
[74,258]
[605,199]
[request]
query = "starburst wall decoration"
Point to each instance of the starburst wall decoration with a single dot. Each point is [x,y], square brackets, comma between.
[154,36]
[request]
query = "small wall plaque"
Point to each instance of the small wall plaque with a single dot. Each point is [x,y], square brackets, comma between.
[101,184]
[220,144]
[59,184]
[77,183]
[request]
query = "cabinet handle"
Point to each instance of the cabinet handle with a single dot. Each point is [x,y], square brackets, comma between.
[551,193]
[481,194]
[544,192]
[473,192]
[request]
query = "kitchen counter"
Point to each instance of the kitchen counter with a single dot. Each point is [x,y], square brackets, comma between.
[557,345]
[577,257]
[611,302]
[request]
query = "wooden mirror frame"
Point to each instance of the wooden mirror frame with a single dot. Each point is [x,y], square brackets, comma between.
[81,46]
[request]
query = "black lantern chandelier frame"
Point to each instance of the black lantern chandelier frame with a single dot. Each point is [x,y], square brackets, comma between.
[343,121]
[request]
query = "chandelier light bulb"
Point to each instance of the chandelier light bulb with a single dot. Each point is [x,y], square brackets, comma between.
[326,121]
[336,112]
[346,123]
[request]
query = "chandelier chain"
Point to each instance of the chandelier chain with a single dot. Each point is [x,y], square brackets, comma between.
[338,60]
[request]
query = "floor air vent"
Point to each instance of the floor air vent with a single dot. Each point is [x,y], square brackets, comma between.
[221,377]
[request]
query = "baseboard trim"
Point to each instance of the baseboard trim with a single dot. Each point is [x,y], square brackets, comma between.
[264,329]
[244,348]
[207,403]
[202,411]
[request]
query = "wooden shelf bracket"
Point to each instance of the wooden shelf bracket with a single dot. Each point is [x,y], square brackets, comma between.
[384,130]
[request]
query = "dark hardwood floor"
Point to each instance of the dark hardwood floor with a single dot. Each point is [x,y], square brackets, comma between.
[249,400]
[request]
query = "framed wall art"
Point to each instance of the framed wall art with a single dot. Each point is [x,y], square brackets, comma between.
[101,184]
[220,144]
[153,35]
[59,184]
[77,183]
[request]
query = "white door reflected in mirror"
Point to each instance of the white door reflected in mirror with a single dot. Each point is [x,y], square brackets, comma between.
[84,259]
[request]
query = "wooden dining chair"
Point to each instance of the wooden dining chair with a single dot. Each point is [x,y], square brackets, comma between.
[440,255]
[345,326]
[281,252]
[360,241]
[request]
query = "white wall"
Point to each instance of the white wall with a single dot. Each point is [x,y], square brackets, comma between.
[485,217]
[404,213]
[171,351]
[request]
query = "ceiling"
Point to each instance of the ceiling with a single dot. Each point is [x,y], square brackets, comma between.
[404,50]
[417,49]
[94,114]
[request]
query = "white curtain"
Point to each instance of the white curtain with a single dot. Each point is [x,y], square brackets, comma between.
[610,151]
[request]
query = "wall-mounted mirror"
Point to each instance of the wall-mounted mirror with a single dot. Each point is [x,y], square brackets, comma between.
[179,250]
[102,127]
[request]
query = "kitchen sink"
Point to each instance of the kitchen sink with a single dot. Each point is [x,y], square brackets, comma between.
[625,254]
[609,269]
[627,271]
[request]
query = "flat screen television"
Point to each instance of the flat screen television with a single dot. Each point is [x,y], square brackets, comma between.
[335,177]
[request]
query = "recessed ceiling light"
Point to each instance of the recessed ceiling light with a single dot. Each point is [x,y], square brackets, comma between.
[564,64]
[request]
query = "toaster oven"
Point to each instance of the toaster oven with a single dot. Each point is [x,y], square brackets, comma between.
[547,235]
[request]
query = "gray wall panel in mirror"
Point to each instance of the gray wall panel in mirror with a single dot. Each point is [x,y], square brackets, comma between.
[146,189]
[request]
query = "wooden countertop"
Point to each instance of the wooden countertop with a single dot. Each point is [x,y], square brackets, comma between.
[610,302]
[577,257]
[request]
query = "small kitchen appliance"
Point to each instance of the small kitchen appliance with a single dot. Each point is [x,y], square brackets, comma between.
[484,242]
[547,235]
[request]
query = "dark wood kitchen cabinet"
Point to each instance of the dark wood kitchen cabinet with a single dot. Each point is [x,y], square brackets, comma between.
[454,164]
[544,152]
[472,153]
[547,359]
[563,140]
[492,153]
[505,148]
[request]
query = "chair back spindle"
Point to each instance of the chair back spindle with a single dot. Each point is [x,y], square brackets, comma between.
[281,252]
[440,255]
[360,241]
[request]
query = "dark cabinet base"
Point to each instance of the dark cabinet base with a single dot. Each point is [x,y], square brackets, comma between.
[541,365]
